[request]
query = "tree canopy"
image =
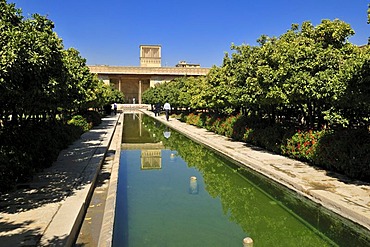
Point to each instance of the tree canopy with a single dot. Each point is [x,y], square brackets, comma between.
[310,74]
[38,77]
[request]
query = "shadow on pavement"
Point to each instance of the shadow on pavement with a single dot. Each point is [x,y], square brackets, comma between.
[9,229]
[52,185]
[60,180]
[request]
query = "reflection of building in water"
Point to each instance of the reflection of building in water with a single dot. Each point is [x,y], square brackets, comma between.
[134,131]
[150,154]
[151,159]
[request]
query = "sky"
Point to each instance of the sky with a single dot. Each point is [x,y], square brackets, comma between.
[109,32]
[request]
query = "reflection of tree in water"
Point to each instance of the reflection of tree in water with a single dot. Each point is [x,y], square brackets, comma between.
[259,215]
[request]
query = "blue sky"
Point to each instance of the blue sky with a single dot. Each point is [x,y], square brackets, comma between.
[199,31]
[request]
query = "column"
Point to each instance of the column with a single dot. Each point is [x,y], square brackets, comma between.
[119,85]
[139,92]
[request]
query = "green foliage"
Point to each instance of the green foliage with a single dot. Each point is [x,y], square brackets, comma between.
[81,122]
[80,83]
[343,151]
[229,125]
[38,78]
[309,76]
[30,65]
[302,145]
[104,95]
[269,138]
[180,93]
[194,119]
[116,96]
[27,149]
[156,94]
[299,70]
[92,117]
[41,84]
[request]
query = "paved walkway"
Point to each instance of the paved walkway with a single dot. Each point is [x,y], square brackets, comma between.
[49,210]
[350,199]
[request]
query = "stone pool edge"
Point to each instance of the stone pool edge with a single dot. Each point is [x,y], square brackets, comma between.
[351,201]
[107,227]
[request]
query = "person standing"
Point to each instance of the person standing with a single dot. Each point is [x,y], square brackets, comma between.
[157,109]
[167,108]
[115,108]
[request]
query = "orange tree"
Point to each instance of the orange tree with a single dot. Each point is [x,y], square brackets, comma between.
[39,82]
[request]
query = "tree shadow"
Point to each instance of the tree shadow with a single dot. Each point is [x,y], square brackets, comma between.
[344,179]
[79,245]
[56,241]
[52,185]
[66,175]
[21,231]
[105,171]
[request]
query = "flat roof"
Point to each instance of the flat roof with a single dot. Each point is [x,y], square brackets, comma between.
[127,70]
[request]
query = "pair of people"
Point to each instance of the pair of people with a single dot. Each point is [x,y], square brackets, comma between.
[166,107]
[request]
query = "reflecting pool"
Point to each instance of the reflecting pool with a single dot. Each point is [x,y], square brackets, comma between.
[174,192]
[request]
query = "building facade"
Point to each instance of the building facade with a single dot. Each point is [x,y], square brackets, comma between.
[133,81]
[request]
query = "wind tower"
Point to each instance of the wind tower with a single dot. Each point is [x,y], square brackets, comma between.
[150,56]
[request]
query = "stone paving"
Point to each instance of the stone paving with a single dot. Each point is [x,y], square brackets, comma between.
[48,210]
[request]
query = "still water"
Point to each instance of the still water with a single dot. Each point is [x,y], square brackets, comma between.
[174,192]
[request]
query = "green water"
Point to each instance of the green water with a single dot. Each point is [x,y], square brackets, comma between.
[159,205]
